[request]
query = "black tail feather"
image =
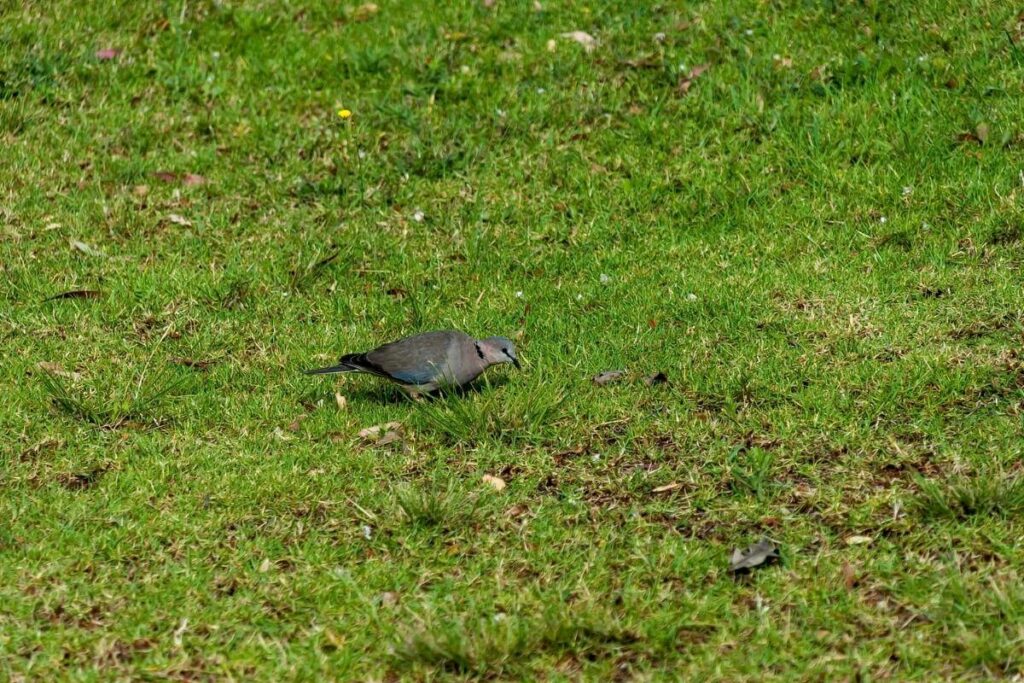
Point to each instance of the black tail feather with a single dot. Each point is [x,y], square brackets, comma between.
[350,362]
[332,370]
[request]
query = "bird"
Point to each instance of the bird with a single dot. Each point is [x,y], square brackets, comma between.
[426,362]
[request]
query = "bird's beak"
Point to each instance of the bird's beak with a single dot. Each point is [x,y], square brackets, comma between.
[515,362]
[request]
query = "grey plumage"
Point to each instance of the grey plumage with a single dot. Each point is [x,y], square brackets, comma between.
[426,362]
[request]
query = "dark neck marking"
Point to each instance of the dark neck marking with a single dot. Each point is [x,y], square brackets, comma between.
[479,351]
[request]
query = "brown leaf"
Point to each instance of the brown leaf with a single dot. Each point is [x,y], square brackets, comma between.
[858,540]
[382,435]
[193,363]
[656,378]
[193,179]
[58,370]
[167,176]
[497,483]
[667,487]
[140,190]
[76,294]
[389,437]
[107,53]
[517,511]
[608,376]
[849,576]
[340,400]
[686,82]
[588,41]
[376,430]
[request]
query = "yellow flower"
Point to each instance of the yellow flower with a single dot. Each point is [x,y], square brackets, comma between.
[344,113]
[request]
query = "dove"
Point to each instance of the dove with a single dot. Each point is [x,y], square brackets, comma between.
[426,362]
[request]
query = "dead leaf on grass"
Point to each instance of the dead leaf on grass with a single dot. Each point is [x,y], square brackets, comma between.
[140,190]
[376,430]
[58,370]
[656,378]
[86,249]
[340,400]
[667,487]
[179,220]
[365,12]
[849,576]
[858,540]
[588,41]
[608,376]
[497,483]
[76,294]
[193,179]
[686,82]
[761,554]
[107,53]
[195,364]
[382,435]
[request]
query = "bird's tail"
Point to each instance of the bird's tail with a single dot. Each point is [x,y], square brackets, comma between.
[353,362]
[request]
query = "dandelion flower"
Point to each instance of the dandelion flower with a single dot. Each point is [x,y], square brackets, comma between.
[345,113]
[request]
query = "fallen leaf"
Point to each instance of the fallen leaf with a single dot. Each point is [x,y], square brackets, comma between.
[858,540]
[588,41]
[686,82]
[656,378]
[388,599]
[651,61]
[849,576]
[761,554]
[340,400]
[489,3]
[167,176]
[782,62]
[193,179]
[372,433]
[516,511]
[667,487]
[107,53]
[296,424]
[608,376]
[76,294]
[497,483]
[179,220]
[365,12]
[58,370]
[389,437]
[193,363]
[140,190]
[981,132]
[86,249]
[333,639]
[266,565]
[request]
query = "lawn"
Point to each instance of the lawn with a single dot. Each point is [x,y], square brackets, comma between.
[808,215]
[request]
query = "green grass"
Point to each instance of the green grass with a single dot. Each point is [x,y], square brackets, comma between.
[820,243]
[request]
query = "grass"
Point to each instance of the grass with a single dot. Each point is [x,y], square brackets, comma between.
[818,239]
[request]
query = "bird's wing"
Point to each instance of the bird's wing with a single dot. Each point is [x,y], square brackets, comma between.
[420,359]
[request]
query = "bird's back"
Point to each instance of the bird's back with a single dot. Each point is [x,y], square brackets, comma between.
[428,358]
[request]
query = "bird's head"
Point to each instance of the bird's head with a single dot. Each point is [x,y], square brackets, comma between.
[496,350]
